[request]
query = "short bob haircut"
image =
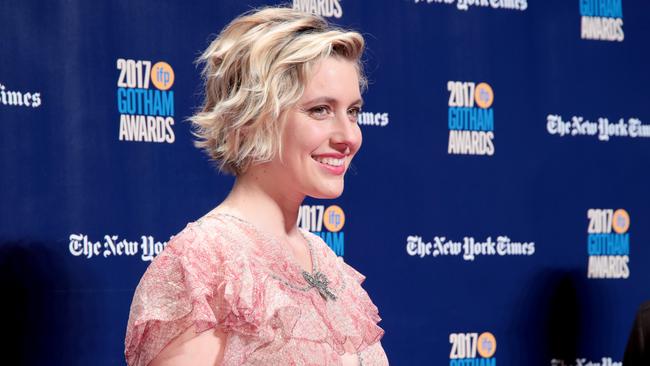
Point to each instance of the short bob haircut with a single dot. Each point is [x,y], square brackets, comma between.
[257,69]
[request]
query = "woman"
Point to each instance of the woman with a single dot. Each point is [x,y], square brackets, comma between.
[243,285]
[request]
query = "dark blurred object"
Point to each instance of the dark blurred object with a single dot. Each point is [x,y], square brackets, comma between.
[637,352]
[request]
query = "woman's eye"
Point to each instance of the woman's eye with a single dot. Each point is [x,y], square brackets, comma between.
[354,113]
[319,111]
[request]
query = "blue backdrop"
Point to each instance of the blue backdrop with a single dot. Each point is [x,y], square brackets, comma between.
[498,206]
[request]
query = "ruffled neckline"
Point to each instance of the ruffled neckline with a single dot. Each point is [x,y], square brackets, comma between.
[220,273]
[359,308]
[279,251]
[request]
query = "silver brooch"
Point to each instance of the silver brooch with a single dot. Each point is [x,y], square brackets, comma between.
[320,281]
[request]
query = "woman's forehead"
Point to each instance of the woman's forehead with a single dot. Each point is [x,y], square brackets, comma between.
[334,79]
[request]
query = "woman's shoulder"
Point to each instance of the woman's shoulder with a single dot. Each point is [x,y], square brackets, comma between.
[208,231]
[207,241]
[199,279]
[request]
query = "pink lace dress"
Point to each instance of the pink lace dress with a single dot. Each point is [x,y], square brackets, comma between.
[221,272]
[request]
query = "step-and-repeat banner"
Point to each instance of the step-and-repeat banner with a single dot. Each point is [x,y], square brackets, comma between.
[499,205]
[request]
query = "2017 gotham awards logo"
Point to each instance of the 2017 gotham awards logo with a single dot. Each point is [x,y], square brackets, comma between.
[601,20]
[608,243]
[470,118]
[465,347]
[324,8]
[146,114]
[314,217]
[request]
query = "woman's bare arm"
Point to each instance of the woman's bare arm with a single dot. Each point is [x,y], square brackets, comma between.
[189,348]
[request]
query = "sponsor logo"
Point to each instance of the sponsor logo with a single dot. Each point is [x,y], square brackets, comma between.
[325,222]
[608,243]
[494,4]
[605,361]
[601,20]
[470,118]
[18,98]
[601,128]
[469,248]
[373,119]
[146,113]
[472,349]
[112,246]
[324,8]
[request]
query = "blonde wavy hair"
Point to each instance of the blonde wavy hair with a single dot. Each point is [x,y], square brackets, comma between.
[255,70]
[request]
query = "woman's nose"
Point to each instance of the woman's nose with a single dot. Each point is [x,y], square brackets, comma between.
[347,132]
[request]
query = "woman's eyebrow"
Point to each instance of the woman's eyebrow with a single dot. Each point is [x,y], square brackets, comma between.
[330,100]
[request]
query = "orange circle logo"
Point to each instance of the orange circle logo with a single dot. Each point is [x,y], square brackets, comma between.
[621,221]
[483,95]
[162,75]
[334,218]
[487,345]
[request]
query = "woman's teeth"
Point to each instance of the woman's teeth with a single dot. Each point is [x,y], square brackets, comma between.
[330,161]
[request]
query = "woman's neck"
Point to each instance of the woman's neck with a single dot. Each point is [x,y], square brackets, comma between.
[265,204]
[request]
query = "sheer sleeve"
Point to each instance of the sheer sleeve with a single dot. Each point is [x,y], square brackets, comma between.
[199,281]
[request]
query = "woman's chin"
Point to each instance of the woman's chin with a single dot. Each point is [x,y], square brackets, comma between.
[327,193]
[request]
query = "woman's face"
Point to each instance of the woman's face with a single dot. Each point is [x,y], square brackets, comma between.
[321,135]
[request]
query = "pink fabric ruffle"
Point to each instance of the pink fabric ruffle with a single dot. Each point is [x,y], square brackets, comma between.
[222,273]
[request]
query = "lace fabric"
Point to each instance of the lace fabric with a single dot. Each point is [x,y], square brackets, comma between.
[221,272]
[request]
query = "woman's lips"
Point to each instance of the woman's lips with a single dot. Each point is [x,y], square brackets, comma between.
[331,163]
